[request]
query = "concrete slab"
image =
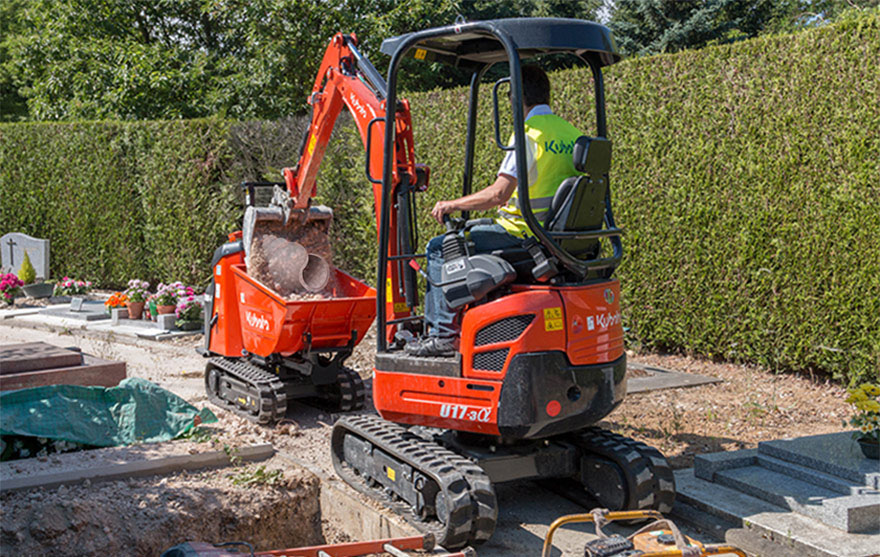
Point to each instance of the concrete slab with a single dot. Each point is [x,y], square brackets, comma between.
[654,379]
[760,527]
[833,453]
[128,469]
[10,313]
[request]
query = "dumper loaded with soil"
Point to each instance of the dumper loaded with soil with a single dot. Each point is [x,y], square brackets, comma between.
[541,356]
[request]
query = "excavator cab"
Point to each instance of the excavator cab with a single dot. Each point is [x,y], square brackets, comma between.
[541,356]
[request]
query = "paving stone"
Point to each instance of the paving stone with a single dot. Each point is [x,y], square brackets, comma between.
[834,453]
[165,321]
[817,477]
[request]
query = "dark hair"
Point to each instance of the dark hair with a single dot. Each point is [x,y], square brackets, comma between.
[536,86]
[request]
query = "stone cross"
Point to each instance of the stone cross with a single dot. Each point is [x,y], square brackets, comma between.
[13,247]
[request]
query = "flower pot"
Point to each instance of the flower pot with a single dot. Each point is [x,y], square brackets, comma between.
[135,309]
[163,309]
[38,290]
[870,448]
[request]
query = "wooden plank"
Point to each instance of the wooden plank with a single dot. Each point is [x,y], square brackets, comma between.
[164,465]
[94,372]
[31,356]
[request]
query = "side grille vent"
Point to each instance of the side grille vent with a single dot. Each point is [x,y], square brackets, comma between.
[492,360]
[505,330]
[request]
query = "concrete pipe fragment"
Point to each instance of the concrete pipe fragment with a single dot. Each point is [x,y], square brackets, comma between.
[293,269]
[315,274]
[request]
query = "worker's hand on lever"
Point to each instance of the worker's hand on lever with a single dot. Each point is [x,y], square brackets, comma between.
[442,208]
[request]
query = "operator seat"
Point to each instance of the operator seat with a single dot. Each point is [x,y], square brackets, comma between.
[578,205]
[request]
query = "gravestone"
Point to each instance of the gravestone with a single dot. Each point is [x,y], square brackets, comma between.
[13,247]
[35,364]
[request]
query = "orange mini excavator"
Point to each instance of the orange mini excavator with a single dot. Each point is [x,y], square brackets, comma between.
[542,357]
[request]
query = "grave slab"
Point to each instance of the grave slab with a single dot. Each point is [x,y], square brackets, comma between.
[12,250]
[760,527]
[30,356]
[24,366]
[91,310]
[834,453]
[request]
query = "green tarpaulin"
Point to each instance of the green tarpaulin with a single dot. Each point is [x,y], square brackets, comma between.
[136,411]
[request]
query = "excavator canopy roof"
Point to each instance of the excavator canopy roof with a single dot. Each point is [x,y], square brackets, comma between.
[471,45]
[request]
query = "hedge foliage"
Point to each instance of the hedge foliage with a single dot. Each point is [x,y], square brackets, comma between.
[747,178]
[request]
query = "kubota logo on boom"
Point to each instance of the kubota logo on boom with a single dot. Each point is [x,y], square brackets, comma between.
[357,105]
[257,321]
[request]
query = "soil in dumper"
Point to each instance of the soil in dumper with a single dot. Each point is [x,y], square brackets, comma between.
[311,235]
[149,515]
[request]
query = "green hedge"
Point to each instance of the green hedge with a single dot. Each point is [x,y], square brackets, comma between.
[747,178]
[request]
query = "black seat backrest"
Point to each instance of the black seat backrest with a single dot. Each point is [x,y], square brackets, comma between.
[579,203]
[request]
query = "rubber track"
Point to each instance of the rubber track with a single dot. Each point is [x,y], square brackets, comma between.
[352,392]
[470,497]
[637,473]
[661,472]
[266,386]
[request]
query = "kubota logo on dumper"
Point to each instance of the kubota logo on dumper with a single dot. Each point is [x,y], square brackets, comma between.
[257,321]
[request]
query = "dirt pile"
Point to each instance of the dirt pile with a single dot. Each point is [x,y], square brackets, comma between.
[147,516]
[271,239]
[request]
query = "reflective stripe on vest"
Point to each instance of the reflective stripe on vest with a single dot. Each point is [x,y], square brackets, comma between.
[553,139]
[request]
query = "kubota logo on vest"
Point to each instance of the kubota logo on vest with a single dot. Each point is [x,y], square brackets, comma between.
[257,321]
[559,147]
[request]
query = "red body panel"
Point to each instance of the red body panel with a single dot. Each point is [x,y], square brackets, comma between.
[581,321]
[226,332]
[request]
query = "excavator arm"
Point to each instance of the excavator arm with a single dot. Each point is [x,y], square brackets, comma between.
[347,79]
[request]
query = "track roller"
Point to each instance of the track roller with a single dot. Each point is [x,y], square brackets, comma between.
[441,492]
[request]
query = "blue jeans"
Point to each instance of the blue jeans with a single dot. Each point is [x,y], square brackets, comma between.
[439,317]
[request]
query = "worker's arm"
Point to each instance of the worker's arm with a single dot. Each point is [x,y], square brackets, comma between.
[493,196]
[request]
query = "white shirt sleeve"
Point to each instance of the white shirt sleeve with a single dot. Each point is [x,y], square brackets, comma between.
[508,165]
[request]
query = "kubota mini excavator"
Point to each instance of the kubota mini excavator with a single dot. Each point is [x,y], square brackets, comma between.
[542,357]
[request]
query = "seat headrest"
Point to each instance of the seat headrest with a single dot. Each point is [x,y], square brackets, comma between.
[592,155]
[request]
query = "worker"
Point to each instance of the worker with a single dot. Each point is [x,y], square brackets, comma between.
[549,143]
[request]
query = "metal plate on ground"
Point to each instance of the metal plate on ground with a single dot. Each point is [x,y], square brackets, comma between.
[644,378]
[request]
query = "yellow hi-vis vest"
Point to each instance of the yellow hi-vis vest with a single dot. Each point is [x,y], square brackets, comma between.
[551,140]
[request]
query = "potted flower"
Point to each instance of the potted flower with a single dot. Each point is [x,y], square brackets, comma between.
[72,287]
[28,276]
[167,296]
[9,286]
[189,313]
[117,300]
[137,293]
[867,418]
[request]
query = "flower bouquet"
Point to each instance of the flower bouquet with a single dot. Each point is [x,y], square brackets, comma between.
[9,285]
[189,313]
[168,295]
[72,287]
[867,418]
[116,300]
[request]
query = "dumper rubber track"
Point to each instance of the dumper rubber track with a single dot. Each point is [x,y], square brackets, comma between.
[347,394]
[246,389]
[629,475]
[437,490]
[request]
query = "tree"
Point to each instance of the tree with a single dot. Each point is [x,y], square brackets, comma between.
[653,26]
[12,105]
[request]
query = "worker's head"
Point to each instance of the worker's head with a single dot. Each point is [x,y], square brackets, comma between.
[536,86]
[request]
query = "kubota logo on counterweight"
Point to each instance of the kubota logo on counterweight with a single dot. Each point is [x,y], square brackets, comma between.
[257,321]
